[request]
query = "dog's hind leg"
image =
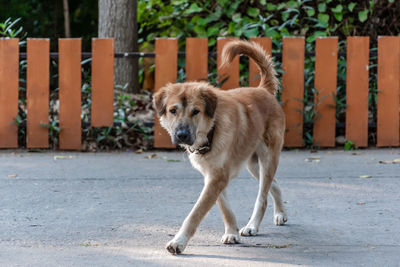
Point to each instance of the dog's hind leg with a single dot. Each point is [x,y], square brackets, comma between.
[268,158]
[280,216]
[231,235]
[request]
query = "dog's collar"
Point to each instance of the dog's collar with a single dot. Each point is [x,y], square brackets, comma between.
[205,147]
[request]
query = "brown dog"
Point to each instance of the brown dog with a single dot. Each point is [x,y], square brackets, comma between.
[221,131]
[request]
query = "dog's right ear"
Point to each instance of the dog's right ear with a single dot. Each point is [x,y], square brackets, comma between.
[210,100]
[159,102]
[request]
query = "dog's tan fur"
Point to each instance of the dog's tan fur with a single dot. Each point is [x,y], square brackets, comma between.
[248,127]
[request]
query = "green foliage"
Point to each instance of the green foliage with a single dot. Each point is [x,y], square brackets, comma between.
[349,145]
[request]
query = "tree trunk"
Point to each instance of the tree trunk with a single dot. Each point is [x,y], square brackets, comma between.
[67,25]
[117,19]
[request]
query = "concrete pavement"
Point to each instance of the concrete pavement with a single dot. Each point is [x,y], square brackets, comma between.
[120,209]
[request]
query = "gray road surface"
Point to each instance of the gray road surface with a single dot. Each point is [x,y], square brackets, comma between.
[120,209]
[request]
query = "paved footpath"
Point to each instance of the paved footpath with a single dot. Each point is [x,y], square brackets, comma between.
[120,209]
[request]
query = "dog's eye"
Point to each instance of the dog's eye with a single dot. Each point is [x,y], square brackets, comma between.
[195,112]
[173,111]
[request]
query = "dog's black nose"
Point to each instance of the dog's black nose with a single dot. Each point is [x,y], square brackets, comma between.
[183,135]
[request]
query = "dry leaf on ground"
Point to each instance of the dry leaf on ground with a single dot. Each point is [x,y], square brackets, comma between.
[313,159]
[395,161]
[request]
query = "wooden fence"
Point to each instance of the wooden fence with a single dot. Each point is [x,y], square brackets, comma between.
[166,49]
[326,58]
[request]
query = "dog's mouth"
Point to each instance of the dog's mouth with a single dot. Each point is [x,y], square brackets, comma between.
[183,136]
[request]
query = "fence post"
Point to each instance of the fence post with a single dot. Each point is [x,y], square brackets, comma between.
[166,71]
[228,76]
[388,90]
[69,82]
[325,84]
[9,65]
[254,72]
[102,113]
[357,90]
[196,59]
[37,92]
[293,49]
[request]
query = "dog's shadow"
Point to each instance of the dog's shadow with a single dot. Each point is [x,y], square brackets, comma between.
[281,247]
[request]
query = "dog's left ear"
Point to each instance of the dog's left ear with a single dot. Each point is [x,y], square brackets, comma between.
[210,100]
[159,103]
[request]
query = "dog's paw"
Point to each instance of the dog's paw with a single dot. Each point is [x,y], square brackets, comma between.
[177,245]
[230,239]
[248,231]
[280,219]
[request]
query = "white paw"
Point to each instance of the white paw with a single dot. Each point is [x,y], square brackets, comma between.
[230,239]
[280,219]
[248,231]
[177,245]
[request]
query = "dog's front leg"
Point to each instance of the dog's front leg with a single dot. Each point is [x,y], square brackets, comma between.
[231,235]
[207,199]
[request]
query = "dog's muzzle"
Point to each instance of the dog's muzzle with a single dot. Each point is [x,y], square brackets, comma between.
[183,136]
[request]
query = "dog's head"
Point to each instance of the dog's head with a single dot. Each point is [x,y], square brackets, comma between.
[186,111]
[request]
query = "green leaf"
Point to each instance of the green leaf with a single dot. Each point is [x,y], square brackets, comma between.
[200,31]
[351,6]
[323,18]
[271,7]
[349,145]
[193,9]
[363,15]
[337,9]
[212,31]
[281,5]
[253,12]
[316,34]
[322,7]
[263,2]
[237,18]
[251,32]
[201,22]
[338,16]
[310,12]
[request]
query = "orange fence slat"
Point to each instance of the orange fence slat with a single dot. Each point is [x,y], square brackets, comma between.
[166,72]
[9,64]
[357,90]
[230,73]
[70,93]
[254,72]
[102,82]
[196,59]
[388,91]
[325,84]
[37,94]
[293,89]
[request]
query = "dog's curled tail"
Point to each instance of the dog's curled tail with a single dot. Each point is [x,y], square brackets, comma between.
[260,57]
